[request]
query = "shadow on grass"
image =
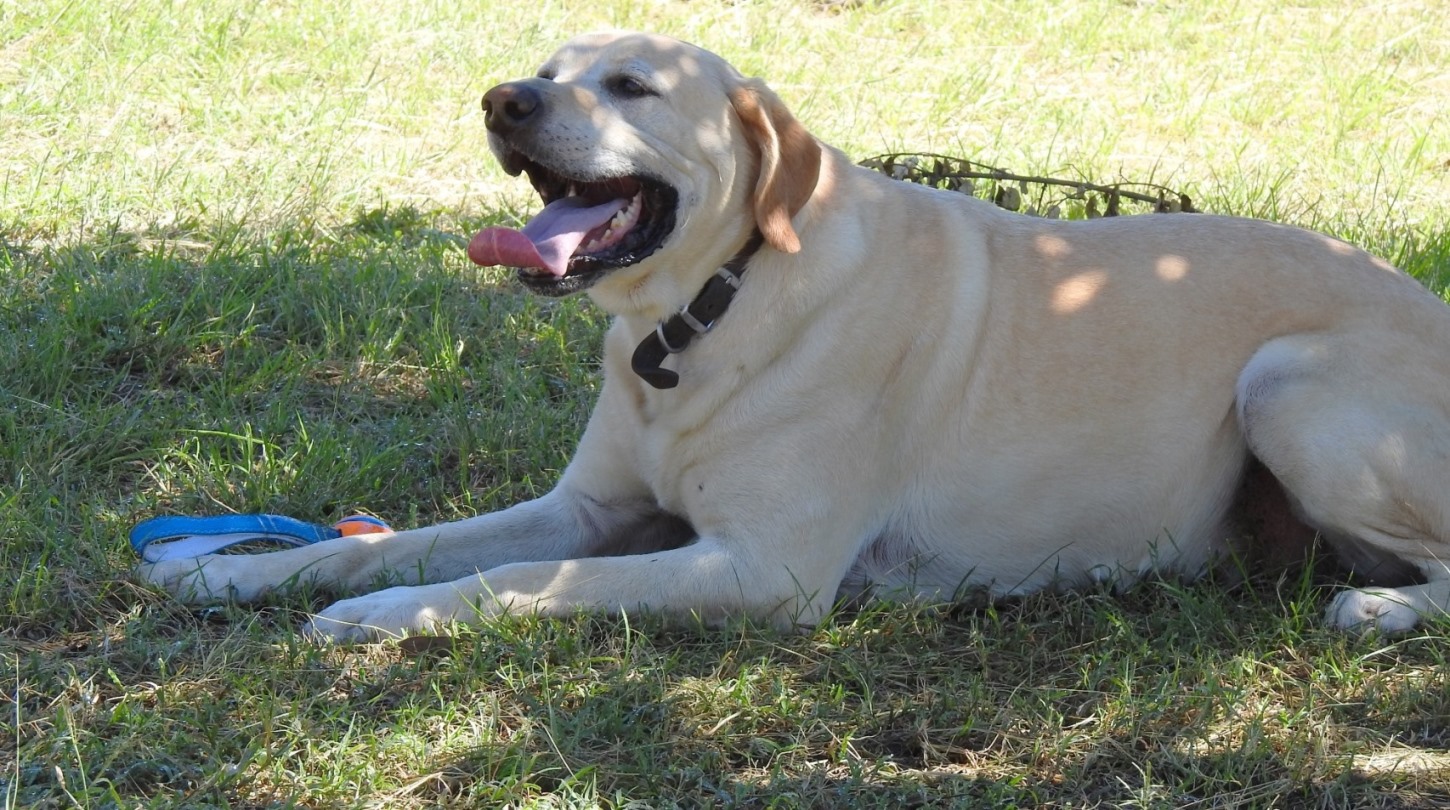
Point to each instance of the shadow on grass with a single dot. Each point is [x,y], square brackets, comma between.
[1166,697]
[315,372]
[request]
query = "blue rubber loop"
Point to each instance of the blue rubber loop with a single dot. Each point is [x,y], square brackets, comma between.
[285,531]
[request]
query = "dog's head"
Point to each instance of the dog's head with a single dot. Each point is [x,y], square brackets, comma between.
[651,156]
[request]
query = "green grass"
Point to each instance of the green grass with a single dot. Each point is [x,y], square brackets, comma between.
[228,283]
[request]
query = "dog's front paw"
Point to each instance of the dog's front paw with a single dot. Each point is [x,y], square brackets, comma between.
[1363,610]
[393,612]
[206,580]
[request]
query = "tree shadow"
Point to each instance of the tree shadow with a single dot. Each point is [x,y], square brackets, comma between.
[314,372]
[900,707]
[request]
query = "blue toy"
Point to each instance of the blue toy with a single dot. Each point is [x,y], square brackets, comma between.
[174,537]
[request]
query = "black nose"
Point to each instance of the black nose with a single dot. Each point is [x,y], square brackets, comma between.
[509,106]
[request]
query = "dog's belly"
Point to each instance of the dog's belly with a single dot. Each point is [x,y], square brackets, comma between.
[1052,529]
[1002,562]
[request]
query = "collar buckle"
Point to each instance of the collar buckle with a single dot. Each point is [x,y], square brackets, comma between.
[688,323]
[694,323]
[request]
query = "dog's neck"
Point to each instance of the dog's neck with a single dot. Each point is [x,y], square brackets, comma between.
[695,318]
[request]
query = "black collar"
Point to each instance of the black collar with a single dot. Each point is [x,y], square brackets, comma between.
[696,318]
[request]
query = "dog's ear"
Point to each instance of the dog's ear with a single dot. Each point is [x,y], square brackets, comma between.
[790,162]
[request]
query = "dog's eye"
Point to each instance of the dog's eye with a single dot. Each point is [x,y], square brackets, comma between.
[629,87]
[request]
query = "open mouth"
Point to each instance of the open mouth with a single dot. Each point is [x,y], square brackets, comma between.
[587,228]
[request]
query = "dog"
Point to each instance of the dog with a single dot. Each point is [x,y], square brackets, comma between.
[824,384]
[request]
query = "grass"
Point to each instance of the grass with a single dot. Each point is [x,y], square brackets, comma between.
[228,283]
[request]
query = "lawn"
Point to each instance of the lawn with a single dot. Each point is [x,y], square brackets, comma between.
[231,281]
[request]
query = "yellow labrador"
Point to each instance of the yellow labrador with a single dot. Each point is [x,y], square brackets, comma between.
[878,388]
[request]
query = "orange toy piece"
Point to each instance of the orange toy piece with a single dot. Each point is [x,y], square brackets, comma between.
[361,524]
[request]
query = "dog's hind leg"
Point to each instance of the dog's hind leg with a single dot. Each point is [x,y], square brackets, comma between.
[1360,438]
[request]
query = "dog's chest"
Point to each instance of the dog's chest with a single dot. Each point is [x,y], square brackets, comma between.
[688,465]
[672,466]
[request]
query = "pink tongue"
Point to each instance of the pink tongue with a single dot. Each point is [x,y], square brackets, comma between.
[548,240]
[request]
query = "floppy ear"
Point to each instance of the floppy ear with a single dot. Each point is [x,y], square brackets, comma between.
[790,162]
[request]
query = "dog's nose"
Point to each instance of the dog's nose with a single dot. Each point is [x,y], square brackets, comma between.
[510,106]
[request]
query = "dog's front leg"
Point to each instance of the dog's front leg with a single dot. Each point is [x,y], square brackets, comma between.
[563,523]
[775,539]
[781,562]
[706,579]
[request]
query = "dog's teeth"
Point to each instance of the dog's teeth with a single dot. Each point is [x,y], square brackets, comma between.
[627,216]
[615,228]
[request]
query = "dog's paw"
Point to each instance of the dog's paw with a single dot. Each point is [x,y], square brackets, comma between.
[1364,609]
[205,580]
[390,613]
